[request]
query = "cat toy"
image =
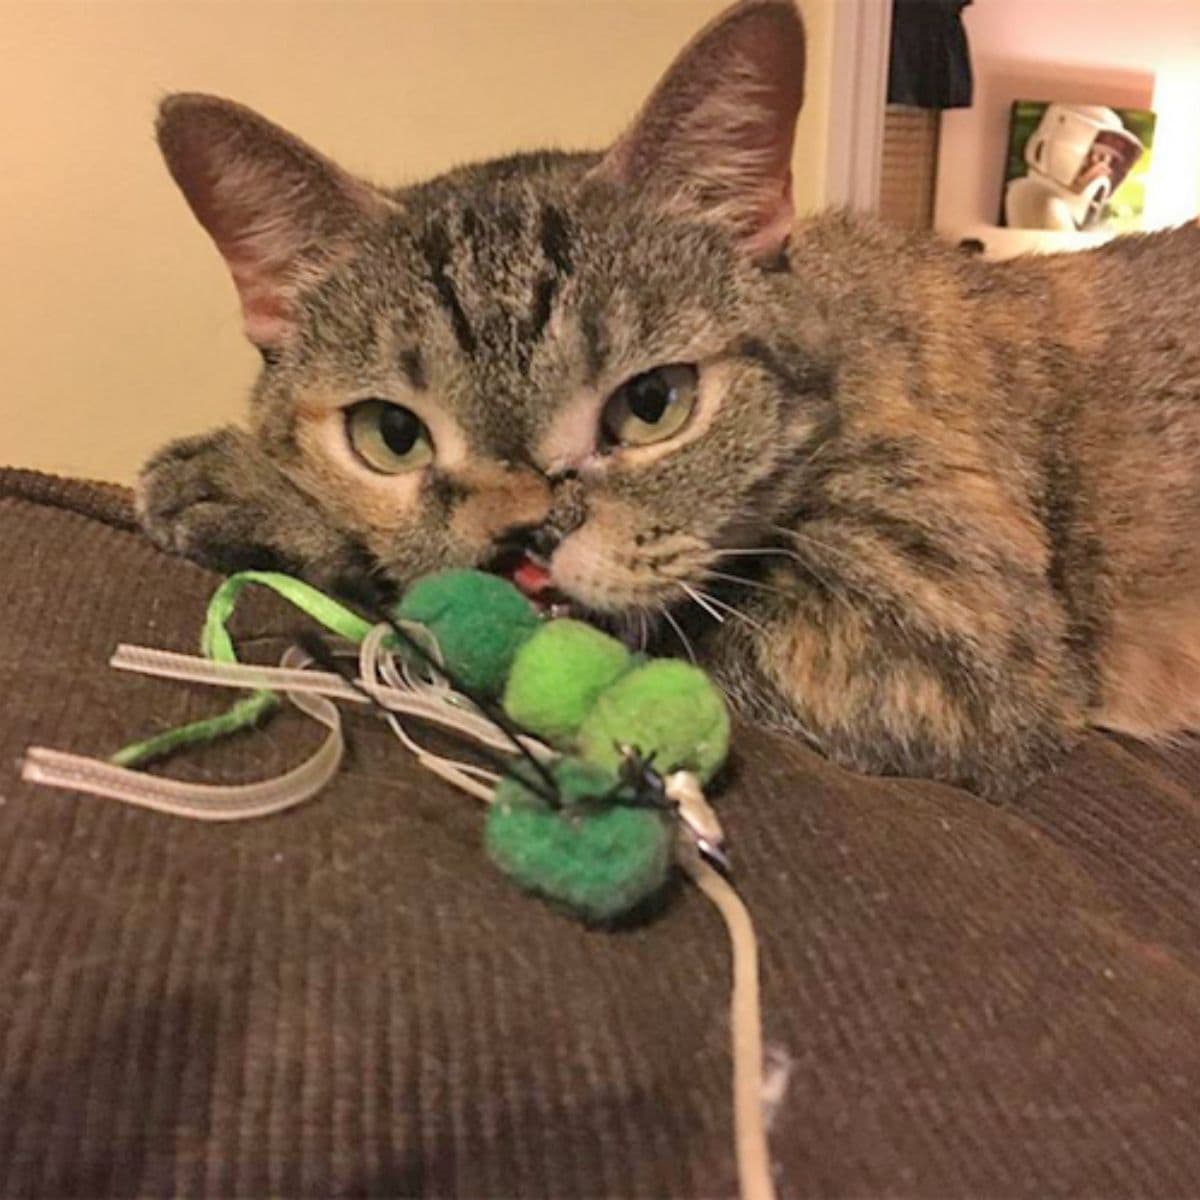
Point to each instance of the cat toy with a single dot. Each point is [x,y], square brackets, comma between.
[593,758]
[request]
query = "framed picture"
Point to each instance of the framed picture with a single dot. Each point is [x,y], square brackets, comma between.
[1076,167]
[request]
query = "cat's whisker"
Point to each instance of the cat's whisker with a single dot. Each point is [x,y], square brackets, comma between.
[623,627]
[816,543]
[759,552]
[742,581]
[831,585]
[779,552]
[733,612]
[702,599]
[682,636]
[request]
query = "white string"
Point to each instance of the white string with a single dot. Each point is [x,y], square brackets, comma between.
[378,662]
[167,664]
[442,706]
[201,801]
[745,1019]
[428,698]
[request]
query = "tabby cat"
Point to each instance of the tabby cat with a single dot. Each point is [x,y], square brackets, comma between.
[935,515]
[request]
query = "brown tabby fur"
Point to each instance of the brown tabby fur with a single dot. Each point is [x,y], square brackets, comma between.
[942,512]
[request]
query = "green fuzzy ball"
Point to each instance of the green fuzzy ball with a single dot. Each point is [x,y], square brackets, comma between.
[480,621]
[557,676]
[666,708]
[598,859]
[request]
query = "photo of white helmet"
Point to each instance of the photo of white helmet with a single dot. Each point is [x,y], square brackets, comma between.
[1077,157]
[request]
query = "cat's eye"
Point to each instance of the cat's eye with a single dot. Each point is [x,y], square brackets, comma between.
[388,437]
[650,407]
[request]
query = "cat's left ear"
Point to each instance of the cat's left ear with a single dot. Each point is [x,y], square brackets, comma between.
[715,137]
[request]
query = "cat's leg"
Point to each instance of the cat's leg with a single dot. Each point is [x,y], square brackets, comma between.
[893,693]
[219,499]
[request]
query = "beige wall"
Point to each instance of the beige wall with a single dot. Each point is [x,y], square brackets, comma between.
[118,326]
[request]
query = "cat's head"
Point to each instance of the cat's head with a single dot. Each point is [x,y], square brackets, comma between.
[588,355]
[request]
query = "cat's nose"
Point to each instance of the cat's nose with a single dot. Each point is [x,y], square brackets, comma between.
[539,540]
[544,540]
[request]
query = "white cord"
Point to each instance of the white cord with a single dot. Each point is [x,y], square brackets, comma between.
[745,1018]
[201,801]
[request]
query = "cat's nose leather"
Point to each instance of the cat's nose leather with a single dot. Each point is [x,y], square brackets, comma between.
[533,539]
[544,540]
[568,506]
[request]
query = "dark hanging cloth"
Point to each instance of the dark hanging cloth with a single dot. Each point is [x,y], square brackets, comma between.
[931,62]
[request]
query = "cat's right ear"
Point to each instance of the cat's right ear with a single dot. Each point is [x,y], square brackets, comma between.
[279,212]
[714,140]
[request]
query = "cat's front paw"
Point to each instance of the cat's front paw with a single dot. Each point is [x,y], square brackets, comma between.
[209,498]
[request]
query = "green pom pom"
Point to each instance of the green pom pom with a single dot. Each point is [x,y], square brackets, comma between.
[667,708]
[557,676]
[599,859]
[480,621]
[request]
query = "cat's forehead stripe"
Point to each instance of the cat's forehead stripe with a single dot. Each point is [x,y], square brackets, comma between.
[556,239]
[497,265]
[435,245]
[595,339]
[413,365]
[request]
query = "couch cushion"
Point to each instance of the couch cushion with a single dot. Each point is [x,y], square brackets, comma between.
[348,1000]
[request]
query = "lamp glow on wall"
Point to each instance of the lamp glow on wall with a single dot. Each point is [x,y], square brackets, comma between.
[1173,188]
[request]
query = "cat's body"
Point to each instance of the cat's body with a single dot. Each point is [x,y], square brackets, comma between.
[953,503]
[1003,526]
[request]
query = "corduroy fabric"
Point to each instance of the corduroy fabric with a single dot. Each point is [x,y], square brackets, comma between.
[348,1001]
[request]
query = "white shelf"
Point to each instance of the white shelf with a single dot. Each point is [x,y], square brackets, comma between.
[1000,242]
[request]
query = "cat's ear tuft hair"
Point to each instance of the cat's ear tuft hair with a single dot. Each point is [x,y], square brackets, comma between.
[715,138]
[279,212]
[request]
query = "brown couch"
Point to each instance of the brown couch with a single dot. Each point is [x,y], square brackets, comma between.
[347,1000]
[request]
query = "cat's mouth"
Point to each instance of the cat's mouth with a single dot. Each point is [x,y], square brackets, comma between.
[530,572]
